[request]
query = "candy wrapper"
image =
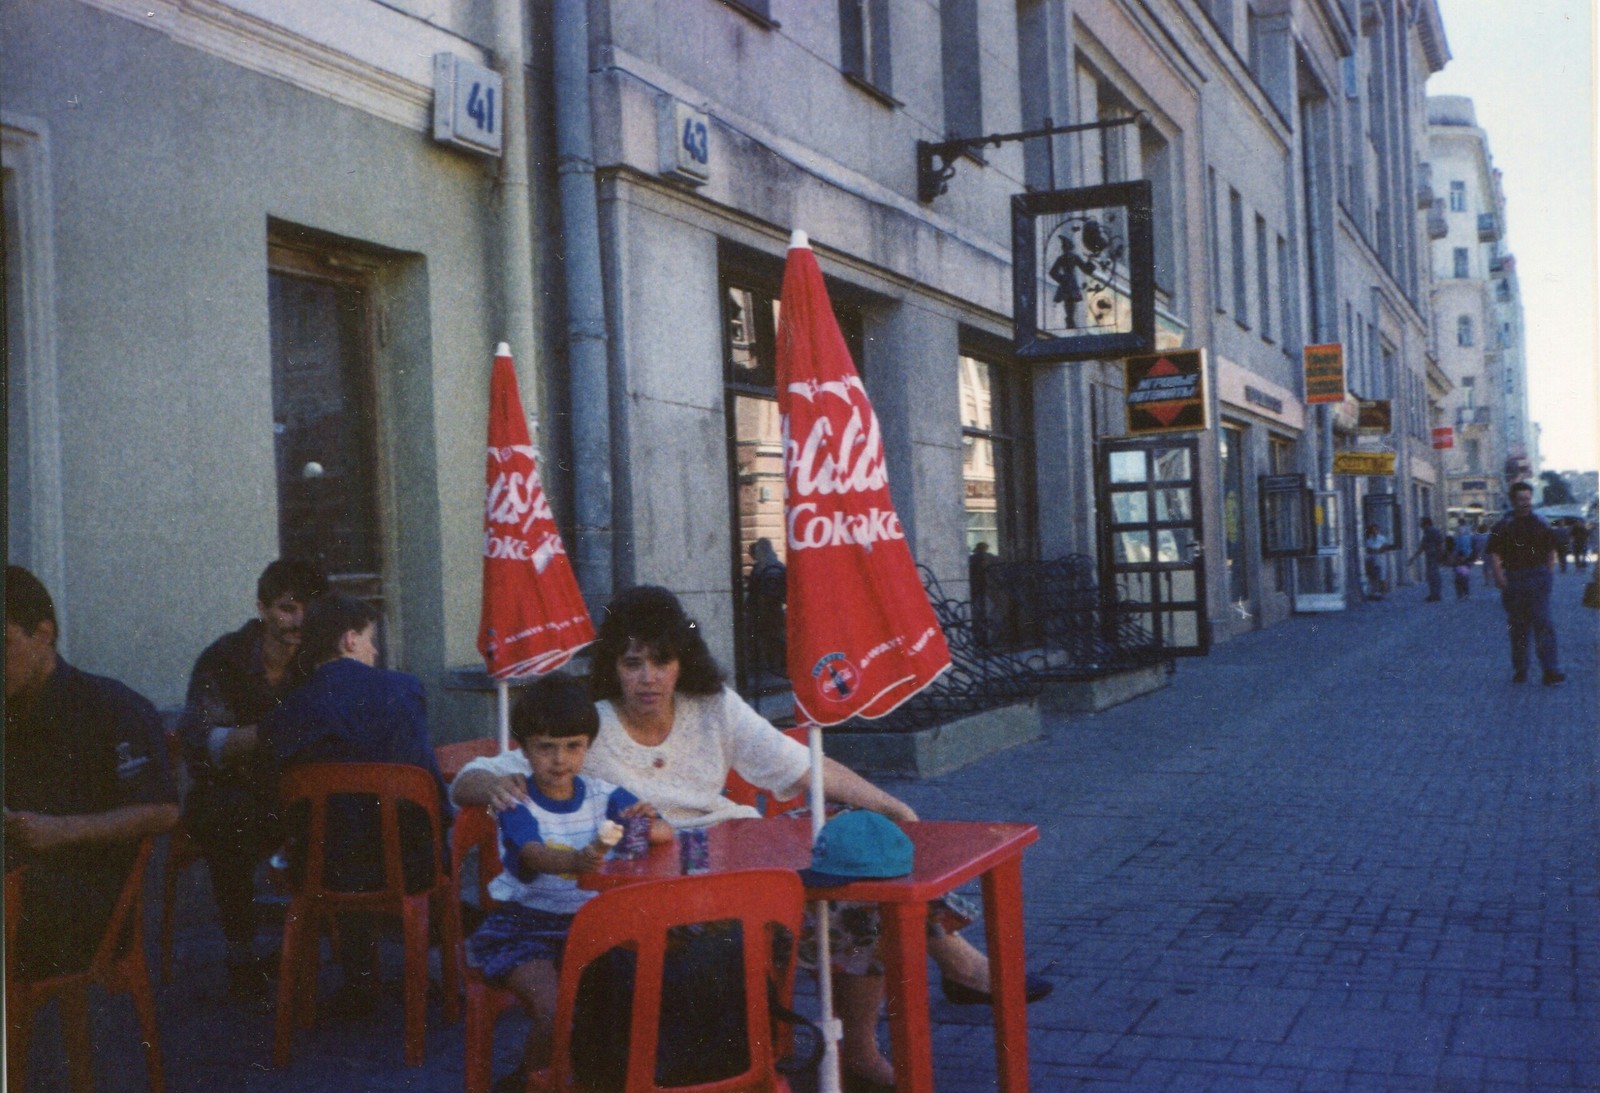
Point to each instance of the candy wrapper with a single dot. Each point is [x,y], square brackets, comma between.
[693,851]
[635,839]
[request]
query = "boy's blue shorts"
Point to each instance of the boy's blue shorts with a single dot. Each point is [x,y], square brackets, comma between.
[513,935]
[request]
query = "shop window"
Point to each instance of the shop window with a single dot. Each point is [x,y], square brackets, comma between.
[750,310]
[996,486]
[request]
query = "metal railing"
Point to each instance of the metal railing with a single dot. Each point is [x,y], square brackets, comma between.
[1028,623]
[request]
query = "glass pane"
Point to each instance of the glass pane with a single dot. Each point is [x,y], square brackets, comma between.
[1133,587]
[1127,466]
[1175,545]
[1131,546]
[750,317]
[324,424]
[1180,628]
[1175,504]
[1179,585]
[977,394]
[758,455]
[1172,465]
[1130,507]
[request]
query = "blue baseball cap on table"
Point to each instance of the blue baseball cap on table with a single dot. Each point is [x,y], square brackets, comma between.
[857,845]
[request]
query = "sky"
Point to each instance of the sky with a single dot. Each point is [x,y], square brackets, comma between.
[1528,66]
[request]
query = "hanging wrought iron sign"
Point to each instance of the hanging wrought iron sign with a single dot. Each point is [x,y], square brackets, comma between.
[1083,273]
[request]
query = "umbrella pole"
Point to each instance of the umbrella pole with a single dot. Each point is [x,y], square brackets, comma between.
[828,1075]
[503,704]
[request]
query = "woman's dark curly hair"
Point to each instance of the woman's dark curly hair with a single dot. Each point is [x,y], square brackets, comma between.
[653,617]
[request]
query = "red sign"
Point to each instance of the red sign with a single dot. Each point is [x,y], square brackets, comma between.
[1444,437]
[1166,392]
[862,635]
[533,617]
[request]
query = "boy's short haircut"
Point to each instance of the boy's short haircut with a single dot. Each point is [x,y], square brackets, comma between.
[554,705]
[328,620]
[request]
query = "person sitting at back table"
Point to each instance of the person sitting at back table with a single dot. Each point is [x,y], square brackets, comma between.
[85,779]
[351,711]
[231,810]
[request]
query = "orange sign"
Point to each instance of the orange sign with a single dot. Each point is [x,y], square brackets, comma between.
[1324,369]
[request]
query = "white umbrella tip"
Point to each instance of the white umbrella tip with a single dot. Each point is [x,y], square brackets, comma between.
[799,240]
[503,349]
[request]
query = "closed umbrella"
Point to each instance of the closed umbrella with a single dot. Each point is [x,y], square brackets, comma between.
[862,637]
[533,617]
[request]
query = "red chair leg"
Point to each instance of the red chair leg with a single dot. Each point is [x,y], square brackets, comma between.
[144,1008]
[74,1003]
[291,970]
[19,1028]
[450,956]
[479,1036]
[414,926]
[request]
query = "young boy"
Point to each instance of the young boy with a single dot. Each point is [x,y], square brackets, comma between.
[545,842]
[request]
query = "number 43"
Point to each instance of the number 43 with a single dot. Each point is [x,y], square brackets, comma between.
[694,141]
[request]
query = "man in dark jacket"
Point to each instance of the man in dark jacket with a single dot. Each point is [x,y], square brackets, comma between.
[231,809]
[1522,562]
[85,778]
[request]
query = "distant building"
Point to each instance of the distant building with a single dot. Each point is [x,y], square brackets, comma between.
[1477,305]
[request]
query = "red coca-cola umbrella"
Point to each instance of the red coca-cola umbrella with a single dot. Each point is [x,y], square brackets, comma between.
[862,636]
[533,617]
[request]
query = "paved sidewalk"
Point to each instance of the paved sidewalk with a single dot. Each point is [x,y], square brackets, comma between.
[1344,853]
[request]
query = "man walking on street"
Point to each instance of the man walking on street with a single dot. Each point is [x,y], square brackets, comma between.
[1522,561]
[1433,551]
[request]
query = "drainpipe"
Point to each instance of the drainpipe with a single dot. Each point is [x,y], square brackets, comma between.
[514,234]
[587,350]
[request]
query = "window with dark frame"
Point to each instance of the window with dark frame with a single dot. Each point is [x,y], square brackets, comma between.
[1241,303]
[1461,259]
[750,310]
[1464,331]
[864,43]
[1458,197]
[961,67]
[1263,279]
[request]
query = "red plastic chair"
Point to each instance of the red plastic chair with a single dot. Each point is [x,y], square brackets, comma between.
[116,968]
[312,907]
[474,827]
[452,757]
[638,917]
[742,792]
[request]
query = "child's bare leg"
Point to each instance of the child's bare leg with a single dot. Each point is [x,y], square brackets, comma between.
[959,960]
[534,984]
[858,999]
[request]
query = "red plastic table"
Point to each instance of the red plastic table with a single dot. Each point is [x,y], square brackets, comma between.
[947,855]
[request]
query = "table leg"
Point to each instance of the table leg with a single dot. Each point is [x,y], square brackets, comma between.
[905,965]
[1002,916]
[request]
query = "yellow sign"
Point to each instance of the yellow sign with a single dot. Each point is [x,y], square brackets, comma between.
[1324,368]
[1370,463]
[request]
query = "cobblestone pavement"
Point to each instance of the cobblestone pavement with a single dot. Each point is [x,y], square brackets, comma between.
[1342,853]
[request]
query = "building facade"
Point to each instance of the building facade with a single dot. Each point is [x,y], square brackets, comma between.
[1478,305]
[279,304]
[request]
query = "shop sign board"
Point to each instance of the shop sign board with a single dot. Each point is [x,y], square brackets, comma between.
[1444,437]
[1364,462]
[1166,392]
[1374,417]
[1324,371]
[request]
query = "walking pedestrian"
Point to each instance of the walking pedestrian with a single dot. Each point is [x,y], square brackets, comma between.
[1377,544]
[1434,549]
[1461,559]
[1522,559]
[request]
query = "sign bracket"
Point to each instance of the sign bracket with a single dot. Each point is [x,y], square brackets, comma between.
[933,177]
